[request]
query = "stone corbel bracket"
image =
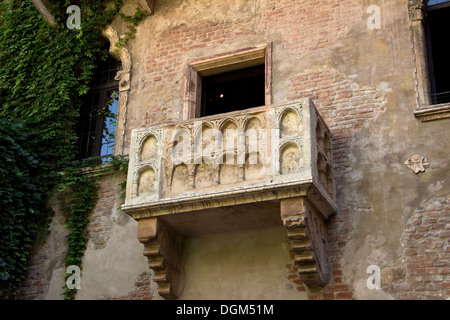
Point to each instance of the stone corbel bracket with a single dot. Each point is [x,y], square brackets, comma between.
[307,231]
[163,247]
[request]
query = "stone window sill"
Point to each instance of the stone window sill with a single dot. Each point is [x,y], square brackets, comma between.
[433,112]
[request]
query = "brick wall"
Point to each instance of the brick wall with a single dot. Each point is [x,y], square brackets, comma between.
[425,269]
[310,25]
[142,289]
[304,25]
[344,106]
[100,222]
[44,258]
[36,282]
[339,230]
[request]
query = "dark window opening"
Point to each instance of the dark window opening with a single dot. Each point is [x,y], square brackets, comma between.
[97,122]
[233,91]
[438,52]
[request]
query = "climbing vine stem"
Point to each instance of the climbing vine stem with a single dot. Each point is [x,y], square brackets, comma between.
[78,192]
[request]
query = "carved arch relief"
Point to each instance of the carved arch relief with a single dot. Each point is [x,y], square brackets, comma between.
[218,151]
[289,123]
[181,147]
[253,122]
[206,143]
[149,148]
[230,135]
[255,138]
[146,163]
[290,158]
[146,181]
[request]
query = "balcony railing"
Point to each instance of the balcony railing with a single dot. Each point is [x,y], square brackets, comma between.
[275,148]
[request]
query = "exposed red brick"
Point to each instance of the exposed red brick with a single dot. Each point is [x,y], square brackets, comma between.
[424,253]
[344,295]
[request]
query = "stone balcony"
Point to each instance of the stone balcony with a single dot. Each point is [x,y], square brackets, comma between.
[258,167]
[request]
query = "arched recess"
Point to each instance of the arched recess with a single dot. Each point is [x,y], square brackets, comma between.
[289,123]
[206,141]
[123,76]
[146,181]
[148,148]
[290,158]
[230,136]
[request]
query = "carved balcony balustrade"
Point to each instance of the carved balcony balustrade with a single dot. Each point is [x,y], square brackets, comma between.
[258,167]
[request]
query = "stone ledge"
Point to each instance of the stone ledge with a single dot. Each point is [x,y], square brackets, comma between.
[433,112]
[192,202]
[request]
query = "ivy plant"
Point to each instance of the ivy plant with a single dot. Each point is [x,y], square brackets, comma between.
[44,72]
[26,176]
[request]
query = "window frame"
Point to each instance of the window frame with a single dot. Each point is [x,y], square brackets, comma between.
[102,88]
[425,109]
[222,63]
[428,33]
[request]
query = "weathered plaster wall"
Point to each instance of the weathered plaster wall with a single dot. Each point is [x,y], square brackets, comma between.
[46,270]
[113,259]
[253,264]
[362,83]
[113,266]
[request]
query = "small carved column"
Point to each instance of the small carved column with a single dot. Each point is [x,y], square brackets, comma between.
[192,168]
[308,235]
[163,247]
[216,173]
